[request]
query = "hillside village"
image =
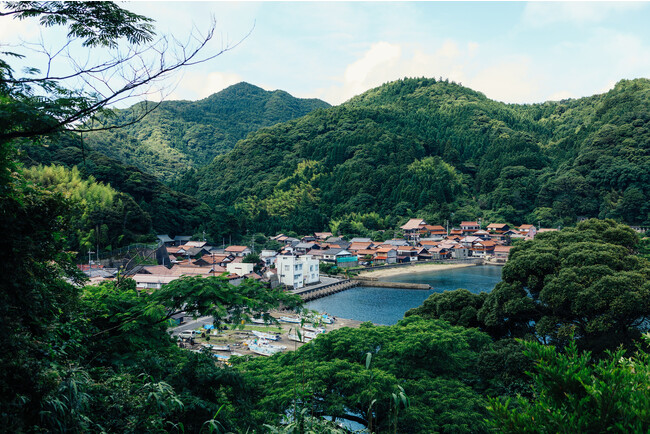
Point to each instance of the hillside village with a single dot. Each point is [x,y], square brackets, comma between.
[301,261]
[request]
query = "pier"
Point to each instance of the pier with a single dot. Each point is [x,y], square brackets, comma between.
[329,287]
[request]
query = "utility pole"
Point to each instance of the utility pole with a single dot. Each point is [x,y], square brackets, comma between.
[97,239]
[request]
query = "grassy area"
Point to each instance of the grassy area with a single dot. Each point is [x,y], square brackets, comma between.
[262,328]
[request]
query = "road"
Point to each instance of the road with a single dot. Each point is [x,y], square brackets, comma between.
[192,324]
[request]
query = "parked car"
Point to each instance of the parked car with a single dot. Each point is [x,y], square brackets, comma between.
[186,334]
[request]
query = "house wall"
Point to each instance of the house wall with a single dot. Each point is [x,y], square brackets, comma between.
[297,271]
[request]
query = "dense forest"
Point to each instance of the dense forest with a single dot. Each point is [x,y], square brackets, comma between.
[438,150]
[182,135]
[557,346]
[414,147]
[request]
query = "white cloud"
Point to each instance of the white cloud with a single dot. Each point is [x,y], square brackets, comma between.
[12,31]
[540,13]
[380,55]
[511,81]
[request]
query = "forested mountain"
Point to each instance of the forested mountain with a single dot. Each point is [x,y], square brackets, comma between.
[442,151]
[179,135]
[146,206]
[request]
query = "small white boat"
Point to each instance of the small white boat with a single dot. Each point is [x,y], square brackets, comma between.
[290,319]
[316,330]
[264,350]
[257,321]
[211,347]
[268,336]
[302,338]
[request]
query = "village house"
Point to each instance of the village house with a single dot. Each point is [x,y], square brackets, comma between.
[458,251]
[435,232]
[482,248]
[408,253]
[339,257]
[529,231]
[238,250]
[386,254]
[501,253]
[360,240]
[268,256]
[297,271]
[322,236]
[303,247]
[240,268]
[411,229]
[498,228]
[468,228]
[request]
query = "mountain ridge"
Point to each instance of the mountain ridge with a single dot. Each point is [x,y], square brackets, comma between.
[179,135]
[385,151]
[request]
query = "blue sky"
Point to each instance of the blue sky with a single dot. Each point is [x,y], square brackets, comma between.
[511,51]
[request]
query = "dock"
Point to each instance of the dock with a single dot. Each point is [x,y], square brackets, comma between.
[319,291]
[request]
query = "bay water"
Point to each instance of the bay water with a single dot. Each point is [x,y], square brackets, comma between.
[386,306]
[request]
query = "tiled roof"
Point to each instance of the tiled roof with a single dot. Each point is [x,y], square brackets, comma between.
[236,248]
[412,224]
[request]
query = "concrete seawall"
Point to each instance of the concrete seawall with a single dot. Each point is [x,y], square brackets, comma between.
[328,290]
[382,284]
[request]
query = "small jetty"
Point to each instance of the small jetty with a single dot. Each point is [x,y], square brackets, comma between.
[309,294]
[374,282]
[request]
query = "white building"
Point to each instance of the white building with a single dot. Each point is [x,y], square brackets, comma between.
[297,271]
[240,268]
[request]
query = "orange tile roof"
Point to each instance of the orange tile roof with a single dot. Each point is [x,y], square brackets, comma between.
[236,248]
[412,224]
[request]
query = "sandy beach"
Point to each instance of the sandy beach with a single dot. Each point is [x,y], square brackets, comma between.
[416,268]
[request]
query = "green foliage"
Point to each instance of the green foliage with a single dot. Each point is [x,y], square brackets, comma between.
[434,148]
[182,134]
[584,282]
[459,307]
[146,200]
[434,365]
[104,218]
[573,393]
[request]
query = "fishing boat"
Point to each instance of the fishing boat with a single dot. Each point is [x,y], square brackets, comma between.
[269,336]
[257,321]
[290,319]
[211,347]
[296,338]
[264,349]
[316,330]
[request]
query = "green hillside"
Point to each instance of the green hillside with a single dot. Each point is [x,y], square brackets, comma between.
[188,134]
[442,151]
[149,206]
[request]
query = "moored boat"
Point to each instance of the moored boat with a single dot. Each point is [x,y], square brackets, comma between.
[268,336]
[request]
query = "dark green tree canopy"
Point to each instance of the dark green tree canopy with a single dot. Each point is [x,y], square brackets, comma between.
[585,282]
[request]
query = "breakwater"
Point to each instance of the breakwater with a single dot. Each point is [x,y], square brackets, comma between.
[324,291]
[373,282]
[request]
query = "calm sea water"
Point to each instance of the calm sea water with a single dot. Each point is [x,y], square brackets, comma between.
[388,305]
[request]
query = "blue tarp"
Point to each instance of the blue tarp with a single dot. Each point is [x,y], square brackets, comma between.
[208,326]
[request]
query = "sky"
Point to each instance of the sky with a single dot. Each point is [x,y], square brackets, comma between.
[515,52]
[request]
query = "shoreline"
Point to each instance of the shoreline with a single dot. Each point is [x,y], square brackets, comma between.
[416,268]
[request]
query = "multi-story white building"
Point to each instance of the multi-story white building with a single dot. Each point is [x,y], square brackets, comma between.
[297,271]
